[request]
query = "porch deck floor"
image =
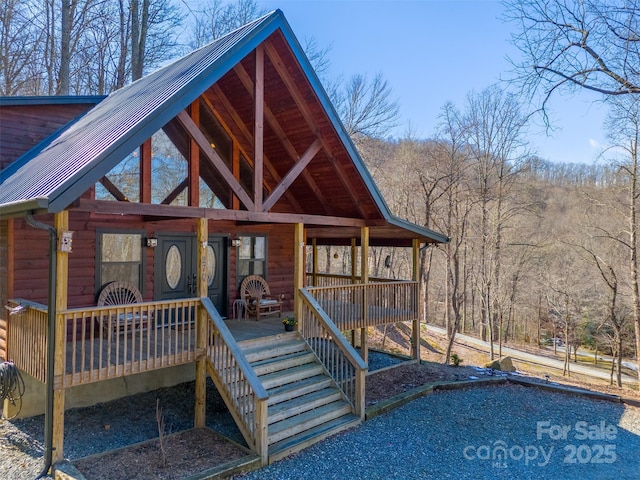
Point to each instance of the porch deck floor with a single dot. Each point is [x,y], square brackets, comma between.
[250,328]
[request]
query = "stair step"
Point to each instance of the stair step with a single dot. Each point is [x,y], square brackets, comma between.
[267,341]
[307,438]
[283,362]
[257,353]
[296,406]
[312,418]
[290,375]
[282,393]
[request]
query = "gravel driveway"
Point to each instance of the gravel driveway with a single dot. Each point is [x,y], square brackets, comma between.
[451,434]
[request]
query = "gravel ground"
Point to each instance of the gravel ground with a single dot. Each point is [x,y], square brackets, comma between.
[449,434]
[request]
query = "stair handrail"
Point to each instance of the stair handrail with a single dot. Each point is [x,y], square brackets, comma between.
[253,420]
[333,332]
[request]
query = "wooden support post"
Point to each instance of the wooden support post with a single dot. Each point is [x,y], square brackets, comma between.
[61,224]
[262,437]
[315,262]
[201,328]
[415,343]
[354,278]
[354,260]
[364,254]
[364,278]
[298,269]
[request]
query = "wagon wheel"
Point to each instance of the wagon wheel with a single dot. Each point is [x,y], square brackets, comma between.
[119,293]
[254,287]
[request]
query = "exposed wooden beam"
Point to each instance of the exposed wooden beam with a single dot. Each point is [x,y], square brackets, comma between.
[145,172]
[175,192]
[177,211]
[217,162]
[113,190]
[291,175]
[286,143]
[194,160]
[235,167]
[258,130]
[248,137]
[300,102]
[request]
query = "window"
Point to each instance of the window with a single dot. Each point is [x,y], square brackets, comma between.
[252,257]
[119,258]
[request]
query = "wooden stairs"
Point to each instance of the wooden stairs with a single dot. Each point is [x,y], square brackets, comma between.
[305,405]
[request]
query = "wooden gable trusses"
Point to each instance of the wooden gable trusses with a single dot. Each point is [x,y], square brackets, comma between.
[254,205]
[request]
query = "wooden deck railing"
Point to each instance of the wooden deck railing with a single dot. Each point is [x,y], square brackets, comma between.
[27,338]
[333,280]
[366,305]
[110,342]
[237,382]
[333,350]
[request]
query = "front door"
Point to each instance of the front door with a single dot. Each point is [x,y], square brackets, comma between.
[176,269]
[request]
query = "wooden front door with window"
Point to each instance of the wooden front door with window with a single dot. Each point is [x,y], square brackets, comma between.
[176,269]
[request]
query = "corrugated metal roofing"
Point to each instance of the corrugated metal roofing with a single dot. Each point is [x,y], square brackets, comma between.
[79,155]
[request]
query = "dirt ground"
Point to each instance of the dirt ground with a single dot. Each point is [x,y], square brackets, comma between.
[185,453]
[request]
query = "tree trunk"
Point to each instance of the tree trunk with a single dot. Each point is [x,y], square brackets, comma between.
[633,225]
[65,47]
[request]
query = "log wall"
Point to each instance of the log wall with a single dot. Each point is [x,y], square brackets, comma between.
[24,126]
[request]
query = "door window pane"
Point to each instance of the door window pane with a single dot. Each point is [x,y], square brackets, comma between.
[210,265]
[173,267]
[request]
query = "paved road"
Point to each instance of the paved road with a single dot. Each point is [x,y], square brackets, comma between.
[534,359]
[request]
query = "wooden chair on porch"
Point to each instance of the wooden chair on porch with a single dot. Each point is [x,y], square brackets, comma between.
[121,293]
[258,301]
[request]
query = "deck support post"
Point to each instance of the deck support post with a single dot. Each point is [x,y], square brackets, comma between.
[364,277]
[315,262]
[298,270]
[201,328]
[61,224]
[354,260]
[415,340]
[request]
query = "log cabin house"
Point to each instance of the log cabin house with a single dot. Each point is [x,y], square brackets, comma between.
[226,163]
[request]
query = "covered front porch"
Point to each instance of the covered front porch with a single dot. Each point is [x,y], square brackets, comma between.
[97,344]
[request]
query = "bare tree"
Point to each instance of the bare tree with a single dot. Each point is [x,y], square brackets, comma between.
[366,106]
[217,18]
[19,42]
[494,133]
[624,131]
[569,45]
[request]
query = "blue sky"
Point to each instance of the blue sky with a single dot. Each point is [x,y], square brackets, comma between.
[434,51]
